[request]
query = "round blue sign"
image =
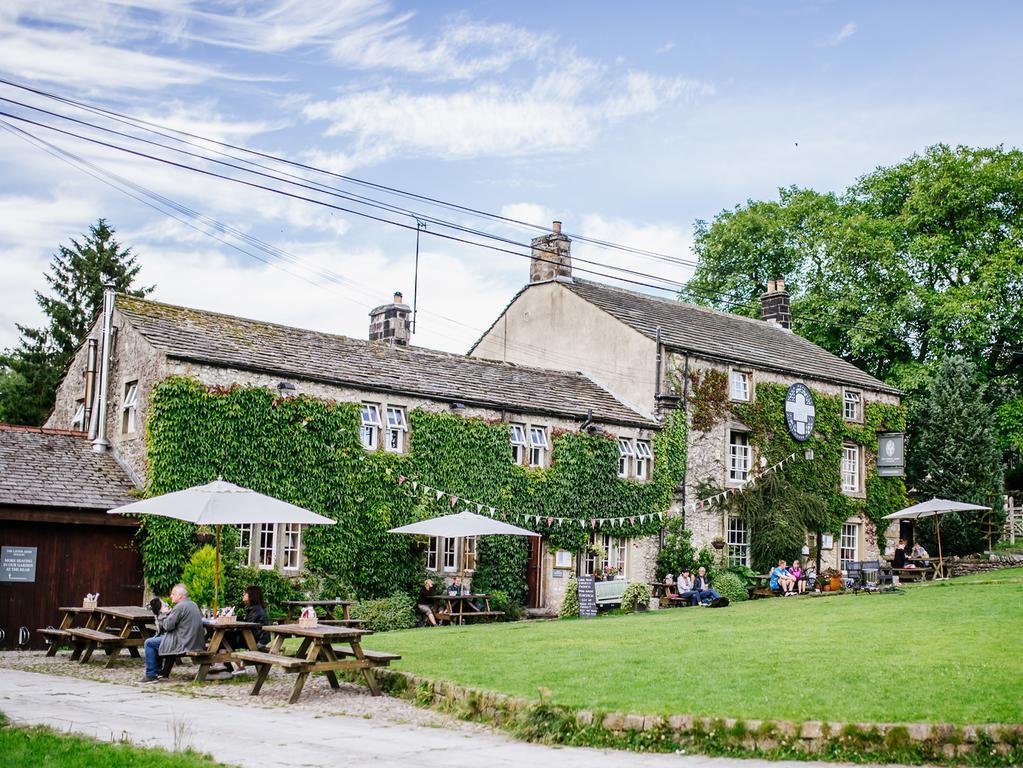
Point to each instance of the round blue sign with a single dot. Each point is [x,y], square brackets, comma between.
[800,411]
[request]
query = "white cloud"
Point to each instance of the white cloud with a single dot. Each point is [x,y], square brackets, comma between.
[839,37]
[668,46]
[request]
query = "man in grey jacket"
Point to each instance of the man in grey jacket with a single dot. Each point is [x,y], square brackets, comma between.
[181,630]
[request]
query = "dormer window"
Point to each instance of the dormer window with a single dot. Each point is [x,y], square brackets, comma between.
[740,386]
[644,460]
[852,406]
[130,408]
[518,442]
[369,431]
[78,422]
[625,456]
[537,446]
[396,430]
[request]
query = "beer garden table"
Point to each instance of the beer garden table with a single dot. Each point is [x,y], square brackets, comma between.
[458,608]
[131,634]
[70,616]
[327,606]
[218,647]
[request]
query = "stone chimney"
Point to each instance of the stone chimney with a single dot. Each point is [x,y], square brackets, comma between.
[551,256]
[774,305]
[391,322]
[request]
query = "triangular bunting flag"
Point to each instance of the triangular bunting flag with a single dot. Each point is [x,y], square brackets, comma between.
[415,485]
[439,494]
[632,519]
[454,500]
[479,508]
[401,479]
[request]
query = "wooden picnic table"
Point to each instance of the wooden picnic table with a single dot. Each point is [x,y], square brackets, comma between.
[660,590]
[131,634]
[457,608]
[316,654]
[218,648]
[71,618]
[327,607]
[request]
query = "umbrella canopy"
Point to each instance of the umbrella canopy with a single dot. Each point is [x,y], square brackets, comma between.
[932,508]
[222,503]
[463,524]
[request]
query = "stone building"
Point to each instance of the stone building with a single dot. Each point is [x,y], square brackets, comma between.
[151,341]
[648,350]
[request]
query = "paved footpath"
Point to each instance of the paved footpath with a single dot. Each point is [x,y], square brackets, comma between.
[275,737]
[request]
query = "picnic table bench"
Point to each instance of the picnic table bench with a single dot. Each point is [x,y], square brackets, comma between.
[455,609]
[131,634]
[315,654]
[762,588]
[326,611]
[218,647]
[61,635]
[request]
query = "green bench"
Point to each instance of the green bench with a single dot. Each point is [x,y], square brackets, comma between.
[609,593]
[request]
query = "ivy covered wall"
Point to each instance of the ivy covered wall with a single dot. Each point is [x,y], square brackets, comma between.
[307,451]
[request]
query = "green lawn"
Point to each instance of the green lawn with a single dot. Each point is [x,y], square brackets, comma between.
[43,748]
[942,652]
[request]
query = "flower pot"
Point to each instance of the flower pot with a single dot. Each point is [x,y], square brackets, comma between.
[718,544]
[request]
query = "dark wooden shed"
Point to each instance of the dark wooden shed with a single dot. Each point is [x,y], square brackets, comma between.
[54,495]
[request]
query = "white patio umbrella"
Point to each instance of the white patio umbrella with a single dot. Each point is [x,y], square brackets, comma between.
[222,503]
[461,525]
[934,508]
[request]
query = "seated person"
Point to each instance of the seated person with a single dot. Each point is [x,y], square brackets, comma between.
[899,560]
[701,588]
[685,587]
[180,630]
[456,588]
[423,603]
[255,612]
[919,556]
[797,573]
[781,580]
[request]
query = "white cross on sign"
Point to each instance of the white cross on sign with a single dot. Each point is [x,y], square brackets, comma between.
[801,412]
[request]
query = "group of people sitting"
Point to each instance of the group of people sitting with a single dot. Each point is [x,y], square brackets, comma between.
[789,580]
[917,558]
[695,589]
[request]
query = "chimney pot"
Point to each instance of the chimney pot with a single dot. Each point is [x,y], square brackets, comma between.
[391,322]
[780,284]
[551,256]
[556,226]
[774,304]
[770,286]
[398,297]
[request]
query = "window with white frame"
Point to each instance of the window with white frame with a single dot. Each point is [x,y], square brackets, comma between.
[291,543]
[606,551]
[130,408]
[267,545]
[849,545]
[644,460]
[737,542]
[518,442]
[433,554]
[78,422]
[245,541]
[851,473]
[537,447]
[450,549]
[469,563]
[625,456]
[740,385]
[617,550]
[851,406]
[739,456]
[396,430]
[369,431]
[827,541]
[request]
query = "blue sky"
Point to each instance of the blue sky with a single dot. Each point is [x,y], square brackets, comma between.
[627,121]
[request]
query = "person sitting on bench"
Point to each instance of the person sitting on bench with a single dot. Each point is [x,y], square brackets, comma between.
[180,630]
[255,612]
[920,557]
[701,588]
[781,580]
[899,560]
[685,587]
[423,603]
[797,573]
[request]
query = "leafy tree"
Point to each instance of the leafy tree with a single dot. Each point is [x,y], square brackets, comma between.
[955,455]
[75,281]
[912,263]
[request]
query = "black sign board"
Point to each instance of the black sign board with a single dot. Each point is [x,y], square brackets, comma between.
[18,564]
[891,454]
[587,597]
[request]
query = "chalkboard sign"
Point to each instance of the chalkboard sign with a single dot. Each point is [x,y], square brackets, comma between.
[19,564]
[587,597]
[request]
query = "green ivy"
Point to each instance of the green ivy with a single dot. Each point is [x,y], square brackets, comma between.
[307,451]
[820,479]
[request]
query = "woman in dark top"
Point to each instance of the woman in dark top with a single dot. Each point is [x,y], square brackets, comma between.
[255,611]
[899,561]
[423,603]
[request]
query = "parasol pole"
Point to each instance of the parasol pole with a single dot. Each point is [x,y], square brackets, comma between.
[216,574]
[941,563]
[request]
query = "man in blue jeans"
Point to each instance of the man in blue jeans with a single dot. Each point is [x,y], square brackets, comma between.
[701,588]
[180,631]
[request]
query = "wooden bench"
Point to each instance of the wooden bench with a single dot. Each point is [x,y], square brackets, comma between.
[111,644]
[288,663]
[377,657]
[609,592]
[343,622]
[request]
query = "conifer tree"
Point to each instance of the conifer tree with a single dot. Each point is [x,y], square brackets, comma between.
[31,371]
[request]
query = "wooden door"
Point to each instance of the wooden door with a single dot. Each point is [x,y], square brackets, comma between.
[71,560]
[534,573]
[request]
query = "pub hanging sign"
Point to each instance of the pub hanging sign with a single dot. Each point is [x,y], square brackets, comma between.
[891,454]
[800,411]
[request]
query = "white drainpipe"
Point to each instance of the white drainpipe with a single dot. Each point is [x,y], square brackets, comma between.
[100,444]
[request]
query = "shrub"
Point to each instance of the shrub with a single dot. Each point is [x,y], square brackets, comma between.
[317,585]
[499,601]
[636,593]
[276,588]
[199,574]
[570,605]
[677,552]
[732,586]
[387,613]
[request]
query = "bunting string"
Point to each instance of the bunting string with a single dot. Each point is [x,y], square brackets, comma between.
[428,493]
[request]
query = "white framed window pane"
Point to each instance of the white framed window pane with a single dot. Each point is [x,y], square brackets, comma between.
[368,436]
[643,450]
[737,542]
[396,418]
[738,457]
[538,437]
[130,407]
[562,559]
[740,385]
[291,543]
[395,440]
[852,406]
[850,469]
[591,560]
[518,434]
[371,414]
[470,553]
[827,541]
[267,545]
[78,422]
[625,447]
[849,545]
[433,554]
[620,553]
[450,555]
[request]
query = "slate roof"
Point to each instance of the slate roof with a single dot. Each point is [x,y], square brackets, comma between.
[58,468]
[723,336]
[235,342]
